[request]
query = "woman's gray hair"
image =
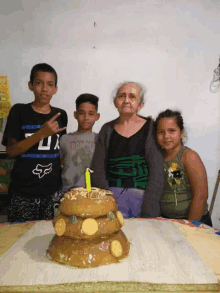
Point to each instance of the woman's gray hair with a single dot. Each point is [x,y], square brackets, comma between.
[141,86]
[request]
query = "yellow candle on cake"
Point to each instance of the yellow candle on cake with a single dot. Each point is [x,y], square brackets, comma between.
[88,179]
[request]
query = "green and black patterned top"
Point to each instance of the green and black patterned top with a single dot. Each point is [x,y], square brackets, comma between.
[126,163]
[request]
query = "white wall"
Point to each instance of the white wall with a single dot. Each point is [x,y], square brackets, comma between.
[171,47]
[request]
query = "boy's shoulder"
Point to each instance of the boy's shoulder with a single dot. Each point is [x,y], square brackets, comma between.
[75,137]
[56,110]
[63,115]
[79,135]
[19,106]
[19,110]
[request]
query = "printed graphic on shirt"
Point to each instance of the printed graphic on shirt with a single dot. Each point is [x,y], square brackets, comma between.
[82,152]
[49,143]
[42,170]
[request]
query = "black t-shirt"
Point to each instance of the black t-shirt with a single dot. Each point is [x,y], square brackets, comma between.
[36,172]
[121,146]
[120,156]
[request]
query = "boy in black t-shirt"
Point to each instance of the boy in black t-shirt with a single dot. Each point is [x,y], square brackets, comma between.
[32,136]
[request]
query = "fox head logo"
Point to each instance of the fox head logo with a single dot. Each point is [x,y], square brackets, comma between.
[41,170]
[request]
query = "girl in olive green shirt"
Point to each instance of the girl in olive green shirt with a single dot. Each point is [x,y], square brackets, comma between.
[185,189]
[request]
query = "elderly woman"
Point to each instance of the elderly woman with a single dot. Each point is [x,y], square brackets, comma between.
[127,159]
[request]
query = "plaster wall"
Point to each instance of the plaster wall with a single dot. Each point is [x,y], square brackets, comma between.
[172,47]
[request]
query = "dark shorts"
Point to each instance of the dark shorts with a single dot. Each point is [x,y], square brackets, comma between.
[24,209]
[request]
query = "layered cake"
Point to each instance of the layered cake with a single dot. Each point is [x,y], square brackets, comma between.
[88,230]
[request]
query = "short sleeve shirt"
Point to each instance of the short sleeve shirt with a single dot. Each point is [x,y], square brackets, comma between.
[36,172]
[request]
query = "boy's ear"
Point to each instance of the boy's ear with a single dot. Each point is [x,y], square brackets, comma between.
[75,114]
[97,116]
[55,90]
[30,86]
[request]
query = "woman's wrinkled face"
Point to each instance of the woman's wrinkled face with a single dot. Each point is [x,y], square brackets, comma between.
[128,99]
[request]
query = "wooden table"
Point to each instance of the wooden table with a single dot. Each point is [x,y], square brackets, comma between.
[200,239]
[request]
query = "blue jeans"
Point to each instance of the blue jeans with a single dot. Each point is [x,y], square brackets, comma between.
[129,201]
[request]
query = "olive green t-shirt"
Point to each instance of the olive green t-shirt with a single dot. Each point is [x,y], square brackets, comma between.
[176,197]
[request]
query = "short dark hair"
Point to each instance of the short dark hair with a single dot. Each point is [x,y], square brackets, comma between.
[43,67]
[87,98]
[171,114]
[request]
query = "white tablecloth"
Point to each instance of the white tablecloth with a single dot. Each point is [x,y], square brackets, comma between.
[159,253]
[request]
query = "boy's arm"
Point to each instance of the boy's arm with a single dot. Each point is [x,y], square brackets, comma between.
[14,148]
[62,150]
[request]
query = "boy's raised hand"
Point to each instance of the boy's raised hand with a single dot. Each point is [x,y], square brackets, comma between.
[51,127]
[15,148]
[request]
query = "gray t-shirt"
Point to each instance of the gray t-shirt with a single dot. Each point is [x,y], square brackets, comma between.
[76,149]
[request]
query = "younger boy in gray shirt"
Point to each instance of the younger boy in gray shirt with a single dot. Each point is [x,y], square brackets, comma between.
[77,148]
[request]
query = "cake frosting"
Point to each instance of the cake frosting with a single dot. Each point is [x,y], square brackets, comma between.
[88,229]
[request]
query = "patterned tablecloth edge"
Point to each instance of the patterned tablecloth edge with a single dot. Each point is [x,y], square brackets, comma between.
[118,286]
[110,287]
[188,223]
